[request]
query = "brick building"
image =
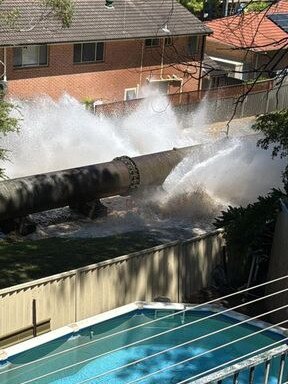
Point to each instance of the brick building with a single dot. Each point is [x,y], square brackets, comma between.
[251,45]
[109,52]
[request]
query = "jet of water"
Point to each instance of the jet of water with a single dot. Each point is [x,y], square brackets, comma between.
[63,134]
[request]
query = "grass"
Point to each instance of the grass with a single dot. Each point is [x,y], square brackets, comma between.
[23,261]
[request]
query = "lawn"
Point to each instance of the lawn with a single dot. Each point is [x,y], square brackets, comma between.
[23,261]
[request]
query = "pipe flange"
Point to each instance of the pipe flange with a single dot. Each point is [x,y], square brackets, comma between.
[133,171]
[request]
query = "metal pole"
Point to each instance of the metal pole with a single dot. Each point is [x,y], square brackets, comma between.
[281,369]
[251,375]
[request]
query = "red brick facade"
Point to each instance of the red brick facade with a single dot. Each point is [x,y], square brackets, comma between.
[127,64]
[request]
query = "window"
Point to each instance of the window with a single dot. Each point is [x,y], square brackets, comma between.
[152,43]
[88,52]
[193,45]
[130,94]
[30,56]
[168,40]
[233,68]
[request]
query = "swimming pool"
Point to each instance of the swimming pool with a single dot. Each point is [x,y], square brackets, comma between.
[141,343]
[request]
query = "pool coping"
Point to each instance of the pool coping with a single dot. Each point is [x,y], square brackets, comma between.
[72,328]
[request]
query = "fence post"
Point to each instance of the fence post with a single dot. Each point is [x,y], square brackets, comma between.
[34,318]
[76,292]
[267,101]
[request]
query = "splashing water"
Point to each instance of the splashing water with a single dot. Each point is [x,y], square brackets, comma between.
[231,172]
[59,135]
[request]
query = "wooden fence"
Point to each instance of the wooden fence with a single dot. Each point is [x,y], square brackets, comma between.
[173,270]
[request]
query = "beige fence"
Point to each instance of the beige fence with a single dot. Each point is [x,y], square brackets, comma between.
[174,270]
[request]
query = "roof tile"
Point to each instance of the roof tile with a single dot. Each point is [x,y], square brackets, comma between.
[93,21]
[253,30]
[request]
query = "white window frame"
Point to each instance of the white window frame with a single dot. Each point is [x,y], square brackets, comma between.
[37,62]
[129,90]
[237,66]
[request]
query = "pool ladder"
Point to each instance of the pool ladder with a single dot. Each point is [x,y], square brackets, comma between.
[162,313]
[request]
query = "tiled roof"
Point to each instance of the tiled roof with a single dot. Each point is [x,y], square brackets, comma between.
[127,19]
[251,30]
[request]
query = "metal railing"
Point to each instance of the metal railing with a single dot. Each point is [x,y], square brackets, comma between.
[229,369]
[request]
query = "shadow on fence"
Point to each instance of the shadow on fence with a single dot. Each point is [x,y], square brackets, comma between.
[173,270]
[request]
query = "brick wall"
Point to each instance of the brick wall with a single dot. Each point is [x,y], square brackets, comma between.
[127,64]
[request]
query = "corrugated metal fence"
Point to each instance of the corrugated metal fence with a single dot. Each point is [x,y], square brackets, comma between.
[174,270]
[263,97]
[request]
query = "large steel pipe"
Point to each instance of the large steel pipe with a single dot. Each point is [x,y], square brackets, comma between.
[22,196]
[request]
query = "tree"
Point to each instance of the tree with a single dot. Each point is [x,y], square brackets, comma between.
[63,10]
[274,126]
[249,230]
[7,124]
[256,6]
[194,6]
[234,29]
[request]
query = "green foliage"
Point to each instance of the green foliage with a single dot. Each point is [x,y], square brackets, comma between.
[212,7]
[256,6]
[250,230]
[7,124]
[63,9]
[9,18]
[274,126]
[195,6]
[88,102]
[247,228]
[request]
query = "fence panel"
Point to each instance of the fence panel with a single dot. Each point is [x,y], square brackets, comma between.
[197,262]
[161,271]
[220,101]
[142,276]
[54,300]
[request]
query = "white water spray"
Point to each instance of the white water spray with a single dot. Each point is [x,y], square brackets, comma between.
[59,135]
[232,172]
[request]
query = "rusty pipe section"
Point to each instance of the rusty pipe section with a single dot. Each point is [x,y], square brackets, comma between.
[22,196]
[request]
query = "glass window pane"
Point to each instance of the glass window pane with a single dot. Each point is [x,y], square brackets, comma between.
[30,55]
[100,51]
[193,45]
[148,42]
[168,41]
[155,42]
[130,94]
[42,54]
[17,57]
[77,53]
[88,52]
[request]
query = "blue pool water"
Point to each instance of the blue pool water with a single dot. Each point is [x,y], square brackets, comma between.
[80,358]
